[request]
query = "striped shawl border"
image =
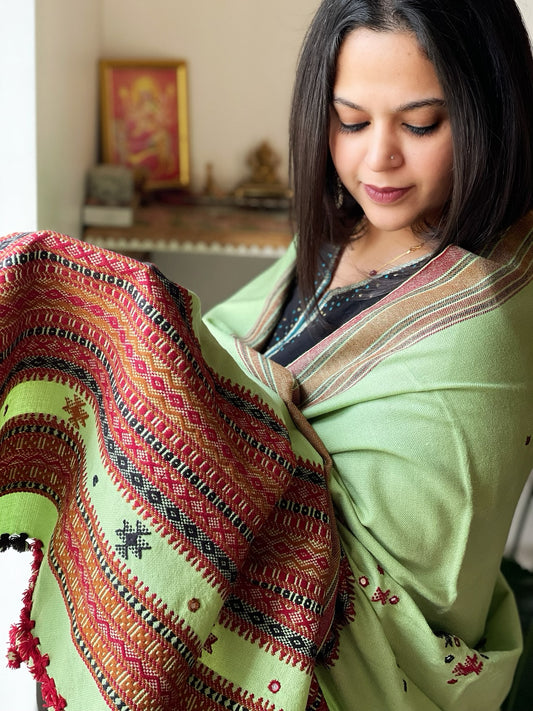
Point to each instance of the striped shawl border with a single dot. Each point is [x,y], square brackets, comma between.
[454,286]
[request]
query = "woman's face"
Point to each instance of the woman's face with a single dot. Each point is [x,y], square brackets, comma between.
[390,135]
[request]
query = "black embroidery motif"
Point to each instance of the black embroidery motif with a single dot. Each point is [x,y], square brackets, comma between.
[132,540]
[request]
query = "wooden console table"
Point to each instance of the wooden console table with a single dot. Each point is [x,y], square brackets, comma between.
[215,229]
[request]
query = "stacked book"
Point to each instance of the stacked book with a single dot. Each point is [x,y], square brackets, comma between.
[111,198]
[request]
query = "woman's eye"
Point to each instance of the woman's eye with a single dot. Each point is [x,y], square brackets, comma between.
[352,127]
[421,130]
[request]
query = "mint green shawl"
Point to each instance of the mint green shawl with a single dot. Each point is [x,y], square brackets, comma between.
[425,404]
[173,486]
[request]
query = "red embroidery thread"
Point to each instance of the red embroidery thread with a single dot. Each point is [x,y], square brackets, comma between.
[194,604]
[381,596]
[209,642]
[471,666]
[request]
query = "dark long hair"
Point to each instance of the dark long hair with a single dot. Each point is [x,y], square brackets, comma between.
[482,56]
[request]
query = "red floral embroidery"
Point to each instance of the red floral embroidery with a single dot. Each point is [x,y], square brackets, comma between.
[194,604]
[380,570]
[471,666]
[381,596]
[274,686]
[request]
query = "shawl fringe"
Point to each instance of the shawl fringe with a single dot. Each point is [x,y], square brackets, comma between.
[23,646]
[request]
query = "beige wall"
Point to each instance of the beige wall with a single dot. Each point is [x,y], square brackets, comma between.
[241,56]
[526,6]
[67,46]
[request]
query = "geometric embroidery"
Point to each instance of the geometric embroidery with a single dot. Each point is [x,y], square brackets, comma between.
[471,666]
[381,596]
[449,639]
[209,642]
[214,512]
[76,409]
[132,540]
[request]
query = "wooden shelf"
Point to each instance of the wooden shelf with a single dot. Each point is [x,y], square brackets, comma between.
[215,229]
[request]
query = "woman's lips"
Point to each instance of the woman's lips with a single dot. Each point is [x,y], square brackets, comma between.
[385,195]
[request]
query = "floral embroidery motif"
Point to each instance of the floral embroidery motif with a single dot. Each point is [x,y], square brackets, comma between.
[75,407]
[274,686]
[381,596]
[472,665]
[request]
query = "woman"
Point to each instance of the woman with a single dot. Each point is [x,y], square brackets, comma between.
[411,131]
[402,317]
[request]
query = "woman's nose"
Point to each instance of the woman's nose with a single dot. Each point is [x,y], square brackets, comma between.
[383,152]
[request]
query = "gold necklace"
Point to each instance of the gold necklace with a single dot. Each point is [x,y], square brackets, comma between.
[373,272]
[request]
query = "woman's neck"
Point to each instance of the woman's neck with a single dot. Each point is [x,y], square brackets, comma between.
[376,252]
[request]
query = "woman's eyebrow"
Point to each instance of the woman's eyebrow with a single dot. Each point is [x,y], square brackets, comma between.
[410,106]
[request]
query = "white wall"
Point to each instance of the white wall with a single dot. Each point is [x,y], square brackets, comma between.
[48,84]
[241,56]
[526,7]
[67,49]
[17,687]
[18,177]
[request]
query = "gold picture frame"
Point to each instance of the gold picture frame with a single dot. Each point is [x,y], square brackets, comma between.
[144,119]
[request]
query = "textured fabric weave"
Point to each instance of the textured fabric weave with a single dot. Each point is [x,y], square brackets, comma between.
[185,549]
[425,403]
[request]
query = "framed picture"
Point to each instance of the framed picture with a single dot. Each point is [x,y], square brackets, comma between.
[144,119]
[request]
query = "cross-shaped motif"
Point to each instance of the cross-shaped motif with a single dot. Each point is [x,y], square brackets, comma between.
[75,407]
[132,540]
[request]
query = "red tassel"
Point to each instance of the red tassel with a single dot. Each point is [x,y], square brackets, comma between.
[23,646]
[38,668]
[50,696]
[13,659]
